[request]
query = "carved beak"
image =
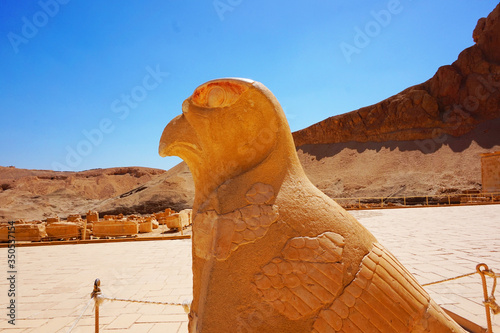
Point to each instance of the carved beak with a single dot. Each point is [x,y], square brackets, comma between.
[179,138]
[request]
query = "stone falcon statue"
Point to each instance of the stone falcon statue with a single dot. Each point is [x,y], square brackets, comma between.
[271,252]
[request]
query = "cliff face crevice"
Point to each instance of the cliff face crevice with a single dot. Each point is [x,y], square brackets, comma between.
[454,101]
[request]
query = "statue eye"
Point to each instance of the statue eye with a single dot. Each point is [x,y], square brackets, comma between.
[219,93]
[216,97]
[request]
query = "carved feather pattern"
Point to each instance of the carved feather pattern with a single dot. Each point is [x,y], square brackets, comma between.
[383,297]
[307,276]
[220,235]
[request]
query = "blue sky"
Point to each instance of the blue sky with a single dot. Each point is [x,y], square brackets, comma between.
[91,84]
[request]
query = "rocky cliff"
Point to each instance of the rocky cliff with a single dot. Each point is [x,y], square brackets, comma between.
[38,194]
[455,100]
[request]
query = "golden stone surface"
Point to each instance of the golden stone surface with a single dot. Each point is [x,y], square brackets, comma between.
[271,252]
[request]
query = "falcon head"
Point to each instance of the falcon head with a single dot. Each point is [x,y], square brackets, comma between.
[227,127]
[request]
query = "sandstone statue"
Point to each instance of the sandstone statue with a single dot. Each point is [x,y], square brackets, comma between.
[272,253]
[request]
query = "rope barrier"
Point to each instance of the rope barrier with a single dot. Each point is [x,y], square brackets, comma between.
[450,279]
[489,300]
[438,199]
[185,304]
[99,298]
[468,196]
[80,317]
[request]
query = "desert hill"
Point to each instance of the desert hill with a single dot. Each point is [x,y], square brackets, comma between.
[173,189]
[37,194]
[425,140]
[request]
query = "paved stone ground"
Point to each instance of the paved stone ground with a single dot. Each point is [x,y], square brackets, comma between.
[443,242]
[54,282]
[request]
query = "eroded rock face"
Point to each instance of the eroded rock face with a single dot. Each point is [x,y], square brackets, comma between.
[271,252]
[453,102]
[49,193]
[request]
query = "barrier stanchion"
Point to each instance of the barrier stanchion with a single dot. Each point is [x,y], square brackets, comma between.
[489,301]
[419,200]
[99,298]
[95,295]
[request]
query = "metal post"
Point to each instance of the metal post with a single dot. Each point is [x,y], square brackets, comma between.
[404,200]
[427,201]
[449,201]
[97,318]
[485,292]
[95,293]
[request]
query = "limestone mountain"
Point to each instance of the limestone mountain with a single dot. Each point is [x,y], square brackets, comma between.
[453,102]
[426,139]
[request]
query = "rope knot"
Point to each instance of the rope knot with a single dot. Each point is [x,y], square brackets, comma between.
[493,305]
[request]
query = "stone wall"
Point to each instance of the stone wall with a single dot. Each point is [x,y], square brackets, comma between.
[490,172]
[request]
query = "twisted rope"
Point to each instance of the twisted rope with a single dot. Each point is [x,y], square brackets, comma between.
[80,317]
[184,304]
[491,301]
[449,279]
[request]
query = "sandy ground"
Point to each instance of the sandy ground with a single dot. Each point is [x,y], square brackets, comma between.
[392,168]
